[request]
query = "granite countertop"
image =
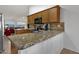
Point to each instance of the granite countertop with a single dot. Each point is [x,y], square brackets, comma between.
[23,41]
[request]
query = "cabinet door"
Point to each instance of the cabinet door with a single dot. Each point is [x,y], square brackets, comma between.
[45,16]
[31,19]
[54,15]
[38,15]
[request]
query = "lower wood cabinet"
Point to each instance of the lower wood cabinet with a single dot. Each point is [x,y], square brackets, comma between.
[14,50]
[22,31]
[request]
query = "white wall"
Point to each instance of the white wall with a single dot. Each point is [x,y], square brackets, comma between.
[70,15]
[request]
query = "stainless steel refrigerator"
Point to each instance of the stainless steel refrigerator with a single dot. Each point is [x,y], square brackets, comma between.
[1,32]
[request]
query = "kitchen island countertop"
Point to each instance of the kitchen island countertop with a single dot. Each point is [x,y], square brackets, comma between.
[22,41]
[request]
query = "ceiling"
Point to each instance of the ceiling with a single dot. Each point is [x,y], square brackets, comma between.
[14,10]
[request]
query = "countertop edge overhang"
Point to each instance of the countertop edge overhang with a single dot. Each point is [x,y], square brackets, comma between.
[23,41]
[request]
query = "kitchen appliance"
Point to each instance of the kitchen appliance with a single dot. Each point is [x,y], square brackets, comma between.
[1,32]
[38,20]
[45,26]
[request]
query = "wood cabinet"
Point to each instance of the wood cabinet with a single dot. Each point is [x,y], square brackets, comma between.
[54,15]
[22,31]
[45,18]
[48,15]
[14,50]
[38,14]
[31,19]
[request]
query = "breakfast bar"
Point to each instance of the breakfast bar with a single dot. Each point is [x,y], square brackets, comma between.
[24,41]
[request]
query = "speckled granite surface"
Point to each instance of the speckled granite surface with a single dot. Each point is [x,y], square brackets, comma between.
[23,41]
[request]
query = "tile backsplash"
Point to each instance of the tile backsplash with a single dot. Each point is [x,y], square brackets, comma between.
[57,26]
[51,26]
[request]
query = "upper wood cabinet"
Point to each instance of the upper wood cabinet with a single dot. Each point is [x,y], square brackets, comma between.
[48,15]
[38,14]
[31,19]
[45,18]
[54,14]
